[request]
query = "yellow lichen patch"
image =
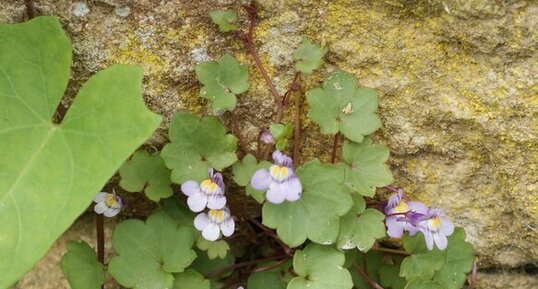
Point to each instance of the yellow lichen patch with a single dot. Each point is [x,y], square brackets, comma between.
[134,52]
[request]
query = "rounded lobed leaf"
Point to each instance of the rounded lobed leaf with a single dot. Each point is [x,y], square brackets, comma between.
[320,267]
[367,166]
[316,215]
[195,145]
[148,253]
[190,279]
[309,56]
[81,267]
[146,172]
[222,80]
[340,106]
[225,19]
[214,249]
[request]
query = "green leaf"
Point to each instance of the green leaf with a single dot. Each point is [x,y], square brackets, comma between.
[309,56]
[340,106]
[214,249]
[265,280]
[190,279]
[81,267]
[368,168]
[459,261]
[316,214]
[222,80]
[360,228]
[207,266]
[320,267]
[243,172]
[389,277]
[146,172]
[423,263]
[178,211]
[148,253]
[374,260]
[225,19]
[280,131]
[49,173]
[423,284]
[195,145]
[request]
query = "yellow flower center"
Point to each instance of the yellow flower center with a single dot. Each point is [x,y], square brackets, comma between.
[434,224]
[402,207]
[279,173]
[111,200]
[208,186]
[216,215]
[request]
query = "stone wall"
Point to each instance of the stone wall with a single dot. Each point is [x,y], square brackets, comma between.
[457,79]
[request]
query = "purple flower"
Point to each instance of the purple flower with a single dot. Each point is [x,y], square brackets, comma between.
[214,223]
[210,193]
[279,181]
[435,227]
[266,137]
[397,210]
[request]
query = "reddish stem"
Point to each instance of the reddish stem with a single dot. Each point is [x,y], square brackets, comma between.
[335,147]
[371,283]
[297,132]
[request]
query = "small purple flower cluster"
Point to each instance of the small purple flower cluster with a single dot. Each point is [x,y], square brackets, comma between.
[209,194]
[413,217]
[279,181]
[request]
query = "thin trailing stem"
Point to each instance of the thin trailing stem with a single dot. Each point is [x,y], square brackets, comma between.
[100,230]
[287,250]
[297,132]
[377,247]
[243,264]
[273,266]
[335,147]
[472,278]
[364,275]
[248,40]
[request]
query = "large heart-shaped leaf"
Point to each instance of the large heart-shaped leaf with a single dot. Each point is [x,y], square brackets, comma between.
[49,173]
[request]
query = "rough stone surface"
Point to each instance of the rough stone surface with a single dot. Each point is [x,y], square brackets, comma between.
[457,81]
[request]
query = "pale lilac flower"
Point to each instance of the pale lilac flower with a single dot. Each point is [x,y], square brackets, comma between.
[214,223]
[266,137]
[279,181]
[210,193]
[107,204]
[435,227]
[397,209]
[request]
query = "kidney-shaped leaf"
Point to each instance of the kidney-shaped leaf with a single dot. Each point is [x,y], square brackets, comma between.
[320,267]
[341,106]
[197,144]
[81,267]
[316,214]
[148,253]
[49,173]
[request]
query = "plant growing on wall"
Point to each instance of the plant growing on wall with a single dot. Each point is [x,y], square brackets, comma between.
[317,224]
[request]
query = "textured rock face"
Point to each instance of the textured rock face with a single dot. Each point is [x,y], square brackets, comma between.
[457,79]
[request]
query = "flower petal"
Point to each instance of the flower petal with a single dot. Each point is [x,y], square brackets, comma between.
[440,240]
[197,202]
[201,221]
[394,227]
[447,227]
[260,180]
[228,227]
[293,189]
[417,207]
[216,201]
[276,194]
[111,212]
[190,188]
[211,232]
[100,208]
[428,238]
[100,197]
[282,159]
